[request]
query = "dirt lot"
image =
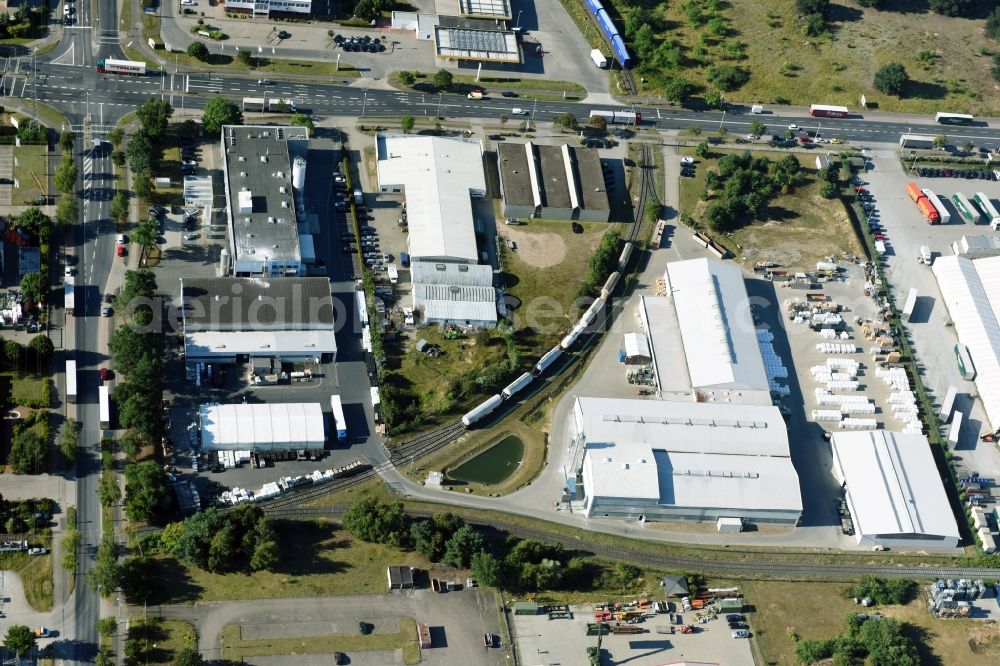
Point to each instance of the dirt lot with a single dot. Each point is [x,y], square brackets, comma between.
[538,250]
[765,38]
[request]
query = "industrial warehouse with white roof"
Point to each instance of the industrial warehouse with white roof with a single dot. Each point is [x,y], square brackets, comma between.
[667,460]
[894,491]
[262,427]
[971,292]
[439,178]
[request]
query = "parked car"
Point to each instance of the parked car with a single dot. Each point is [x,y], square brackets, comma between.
[38,550]
[105,311]
[741,633]
[105,374]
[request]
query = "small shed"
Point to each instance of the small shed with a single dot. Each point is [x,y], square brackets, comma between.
[525,608]
[400,578]
[424,636]
[823,162]
[636,350]
[675,586]
[729,605]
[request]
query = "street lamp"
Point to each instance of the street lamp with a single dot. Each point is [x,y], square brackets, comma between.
[364,103]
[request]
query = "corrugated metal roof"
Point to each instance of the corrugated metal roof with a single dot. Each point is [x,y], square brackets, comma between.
[440,175]
[720,342]
[261,426]
[461,274]
[636,346]
[971,292]
[894,485]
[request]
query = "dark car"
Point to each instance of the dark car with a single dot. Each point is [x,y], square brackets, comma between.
[577,228]
[284,34]
[105,374]
[339,658]
[734,617]
[495,137]
[508,93]
[737,625]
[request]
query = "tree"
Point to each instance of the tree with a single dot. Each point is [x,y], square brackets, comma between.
[146,232]
[141,184]
[789,135]
[33,287]
[891,79]
[11,353]
[139,152]
[104,575]
[486,569]
[427,540]
[302,120]
[135,410]
[874,4]
[713,99]
[108,491]
[728,77]
[407,123]
[371,519]
[36,222]
[265,555]
[243,57]
[442,79]
[119,206]
[107,626]
[220,111]
[41,345]
[940,141]
[952,7]
[653,209]
[993,24]
[131,443]
[644,42]
[19,639]
[462,545]
[829,190]
[67,210]
[678,89]
[27,453]
[567,121]
[69,439]
[188,657]
[116,136]
[154,114]
[147,492]
[757,128]
[599,123]
[65,175]
[66,140]
[807,7]
[407,78]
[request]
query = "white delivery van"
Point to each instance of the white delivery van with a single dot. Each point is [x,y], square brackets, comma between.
[926,258]
[756,108]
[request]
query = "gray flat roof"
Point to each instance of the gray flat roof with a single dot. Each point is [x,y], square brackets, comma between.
[492,8]
[513,168]
[593,190]
[256,304]
[553,177]
[468,39]
[259,160]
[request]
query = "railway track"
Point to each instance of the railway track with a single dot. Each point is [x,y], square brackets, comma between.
[628,82]
[749,568]
[647,189]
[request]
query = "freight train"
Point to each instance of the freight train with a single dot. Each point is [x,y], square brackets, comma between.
[589,317]
[610,32]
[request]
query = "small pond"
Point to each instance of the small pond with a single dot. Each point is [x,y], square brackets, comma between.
[493,465]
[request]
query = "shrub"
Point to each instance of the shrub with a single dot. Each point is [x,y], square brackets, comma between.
[891,79]
[728,77]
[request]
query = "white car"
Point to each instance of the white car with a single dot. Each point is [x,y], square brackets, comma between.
[67,10]
[121,239]
[517,111]
[69,272]
[408,316]
[793,127]
[687,160]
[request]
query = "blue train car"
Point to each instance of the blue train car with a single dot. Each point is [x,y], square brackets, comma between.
[593,6]
[621,52]
[606,24]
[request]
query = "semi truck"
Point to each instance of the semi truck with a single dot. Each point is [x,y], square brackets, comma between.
[923,141]
[251,104]
[924,205]
[128,67]
[599,59]
[989,210]
[71,380]
[281,105]
[69,295]
[339,423]
[104,406]
[619,117]
[938,206]
[965,208]
[824,111]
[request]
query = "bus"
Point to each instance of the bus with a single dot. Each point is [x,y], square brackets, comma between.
[104,401]
[823,111]
[70,380]
[953,118]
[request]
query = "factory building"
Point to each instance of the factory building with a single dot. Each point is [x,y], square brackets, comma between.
[893,490]
[243,319]
[264,174]
[552,182]
[261,427]
[684,461]
[440,178]
[293,9]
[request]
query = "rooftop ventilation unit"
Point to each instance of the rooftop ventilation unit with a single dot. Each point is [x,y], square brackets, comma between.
[283,189]
[463,268]
[242,158]
[284,204]
[263,158]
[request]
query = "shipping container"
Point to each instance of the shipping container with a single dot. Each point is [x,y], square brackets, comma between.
[71,380]
[104,406]
[914,191]
[911,302]
[965,208]
[956,428]
[339,423]
[281,105]
[945,216]
[948,404]
[965,365]
[989,210]
[599,58]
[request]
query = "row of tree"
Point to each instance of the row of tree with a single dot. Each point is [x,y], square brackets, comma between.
[242,539]
[870,639]
[743,186]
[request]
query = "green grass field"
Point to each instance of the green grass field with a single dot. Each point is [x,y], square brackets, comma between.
[235,648]
[35,572]
[31,172]
[165,638]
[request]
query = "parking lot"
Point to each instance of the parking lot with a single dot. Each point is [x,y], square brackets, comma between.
[929,326]
[562,641]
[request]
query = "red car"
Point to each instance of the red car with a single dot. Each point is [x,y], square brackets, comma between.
[878,237]
[120,251]
[105,374]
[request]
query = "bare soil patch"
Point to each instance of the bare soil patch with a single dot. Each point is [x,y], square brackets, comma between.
[538,250]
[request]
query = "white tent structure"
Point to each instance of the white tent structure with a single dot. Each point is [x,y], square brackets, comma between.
[971,292]
[261,427]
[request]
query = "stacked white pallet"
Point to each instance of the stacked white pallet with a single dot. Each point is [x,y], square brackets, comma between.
[842,385]
[848,364]
[837,348]
[902,398]
[828,334]
[913,428]
[773,364]
[826,319]
[831,399]
[858,424]
[842,376]
[858,408]
[779,389]
[826,415]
